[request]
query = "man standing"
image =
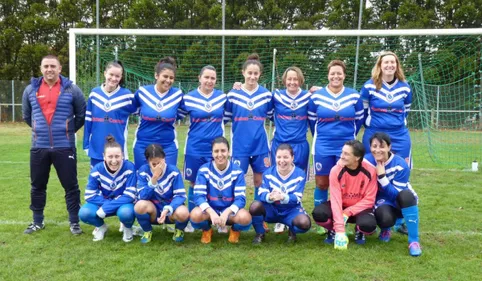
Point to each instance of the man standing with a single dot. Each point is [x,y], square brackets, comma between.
[55,109]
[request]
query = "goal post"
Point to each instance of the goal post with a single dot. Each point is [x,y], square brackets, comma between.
[443,67]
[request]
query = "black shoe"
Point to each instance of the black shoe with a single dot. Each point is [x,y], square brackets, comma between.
[75,228]
[330,237]
[291,237]
[258,239]
[401,229]
[359,237]
[33,227]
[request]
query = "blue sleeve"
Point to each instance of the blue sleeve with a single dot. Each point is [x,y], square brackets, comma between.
[181,110]
[408,102]
[144,189]
[264,190]
[26,106]
[179,192]
[365,97]
[79,107]
[200,191]
[312,116]
[228,110]
[93,194]
[270,112]
[128,196]
[88,124]
[136,103]
[359,115]
[239,193]
[397,184]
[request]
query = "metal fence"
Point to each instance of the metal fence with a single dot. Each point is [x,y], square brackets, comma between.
[11,92]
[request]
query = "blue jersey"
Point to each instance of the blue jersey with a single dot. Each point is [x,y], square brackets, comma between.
[111,190]
[220,189]
[292,185]
[169,190]
[248,110]
[206,121]
[388,107]
[290,116]
[335,119]
[107,114]
[158,113]
[396,179]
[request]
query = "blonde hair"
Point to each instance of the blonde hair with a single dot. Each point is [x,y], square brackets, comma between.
[299,73]
[377,69]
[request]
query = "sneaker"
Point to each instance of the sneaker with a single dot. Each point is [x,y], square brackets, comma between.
[258,239]
[33,227]
[223,230]
[171,228]
[99,232]
[402,228]
[291,237]
[189,228]
[266,227]
[233,236]
[415,249]
[359,237]
[128,235]
[330,237]
[206,237]
[121,227]
[146,238]
[137,231]
[320,230]
[75,228]
[178,235]
[385,235]
[279,228]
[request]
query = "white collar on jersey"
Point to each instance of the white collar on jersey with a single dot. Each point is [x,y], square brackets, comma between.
[116,172]
[295,95]
[161,95]
[248,91]
[109,94]
[225,169]
[335,95]
[204,95]
[288,175]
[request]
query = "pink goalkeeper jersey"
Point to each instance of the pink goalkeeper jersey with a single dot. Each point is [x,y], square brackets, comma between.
[351,191]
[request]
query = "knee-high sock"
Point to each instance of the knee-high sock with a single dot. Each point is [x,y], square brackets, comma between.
[241,227]
[181,225]
[411,220]
[258,224]
[144,221]
[190,199]
[320,196]
[399,222]
[204,225]
[256,196]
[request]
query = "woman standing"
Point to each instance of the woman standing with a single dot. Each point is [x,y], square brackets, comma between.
[335,114]
[158,106]
[108,110]
[387,98]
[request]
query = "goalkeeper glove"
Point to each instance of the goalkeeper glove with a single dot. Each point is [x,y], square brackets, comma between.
[341,241]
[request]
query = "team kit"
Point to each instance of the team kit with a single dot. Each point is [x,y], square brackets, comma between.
[363,183]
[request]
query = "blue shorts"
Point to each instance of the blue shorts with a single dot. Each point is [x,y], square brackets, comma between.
[140,158]
[273,215]
[159,208]
[323,164]
[301,151]
[401,143]
[259,163]
[192,165]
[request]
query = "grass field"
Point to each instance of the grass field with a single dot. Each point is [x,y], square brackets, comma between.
[451,237]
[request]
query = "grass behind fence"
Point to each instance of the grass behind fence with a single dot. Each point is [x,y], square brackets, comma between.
[450,227]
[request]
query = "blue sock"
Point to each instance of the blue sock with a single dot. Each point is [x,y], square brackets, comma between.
[144,221]
[190,199]
[181,225]
[204,225]
[320,196]
[241,227]
[411,220]
[399,222]
[258,224]
[256,196]
[298,230]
